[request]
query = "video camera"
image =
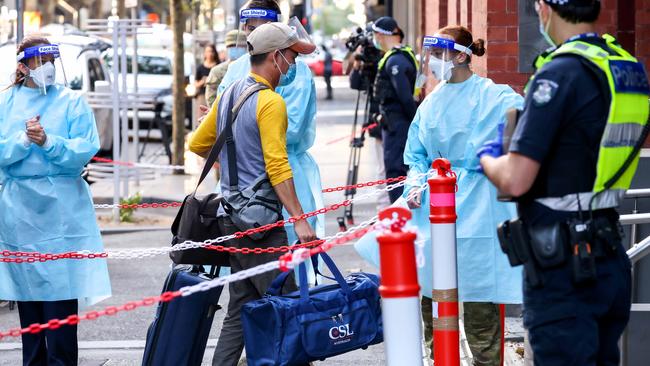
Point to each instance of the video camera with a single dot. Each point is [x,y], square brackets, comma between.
[369,55]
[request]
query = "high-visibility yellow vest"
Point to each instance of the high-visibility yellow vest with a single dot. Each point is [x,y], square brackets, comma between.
[404,49]
[628,114]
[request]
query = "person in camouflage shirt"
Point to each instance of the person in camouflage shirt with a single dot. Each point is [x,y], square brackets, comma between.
[235,47]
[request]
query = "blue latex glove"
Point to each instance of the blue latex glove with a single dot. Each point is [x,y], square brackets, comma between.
[494,147]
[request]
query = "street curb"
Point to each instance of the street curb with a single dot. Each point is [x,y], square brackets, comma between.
[109,200]
[120,230]
[100,345]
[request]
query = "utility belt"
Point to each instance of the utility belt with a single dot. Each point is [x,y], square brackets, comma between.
[548,246]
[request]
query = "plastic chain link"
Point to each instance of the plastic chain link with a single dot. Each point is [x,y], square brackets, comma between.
[141,205]
[150,252]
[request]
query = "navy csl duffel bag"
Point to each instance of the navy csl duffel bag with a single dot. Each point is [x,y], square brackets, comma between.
[313,323]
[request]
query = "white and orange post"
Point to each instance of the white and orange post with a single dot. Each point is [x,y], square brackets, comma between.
[442,215]
[400,291]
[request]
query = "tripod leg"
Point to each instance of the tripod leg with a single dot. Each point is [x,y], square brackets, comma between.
[165,138]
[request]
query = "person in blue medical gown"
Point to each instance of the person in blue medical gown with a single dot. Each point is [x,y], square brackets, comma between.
[454,121]
[47,135]
[300,98]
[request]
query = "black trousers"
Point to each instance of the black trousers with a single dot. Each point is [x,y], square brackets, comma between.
[394,138]
[49,347]
[328,83]
[571,324]
[231,340]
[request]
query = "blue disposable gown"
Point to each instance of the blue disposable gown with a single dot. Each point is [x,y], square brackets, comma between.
[455,120]
[300,97]
[45,205]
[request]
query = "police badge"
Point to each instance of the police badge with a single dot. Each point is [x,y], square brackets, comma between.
[544,92]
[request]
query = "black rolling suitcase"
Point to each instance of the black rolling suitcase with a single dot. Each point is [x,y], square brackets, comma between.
[179,333]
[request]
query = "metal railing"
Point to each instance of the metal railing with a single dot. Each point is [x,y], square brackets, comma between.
[639,251]
[636,252]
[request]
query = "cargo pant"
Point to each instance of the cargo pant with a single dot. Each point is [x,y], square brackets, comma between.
[482,327]
[231,340]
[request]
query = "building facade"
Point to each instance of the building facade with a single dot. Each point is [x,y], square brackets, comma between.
[510,28]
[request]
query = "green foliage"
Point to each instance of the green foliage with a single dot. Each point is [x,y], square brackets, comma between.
[126,214]
[332,19]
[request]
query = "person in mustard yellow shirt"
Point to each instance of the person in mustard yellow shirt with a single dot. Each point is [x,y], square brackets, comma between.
[259,132]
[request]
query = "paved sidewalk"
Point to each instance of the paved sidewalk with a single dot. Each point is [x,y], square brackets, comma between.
[120,340]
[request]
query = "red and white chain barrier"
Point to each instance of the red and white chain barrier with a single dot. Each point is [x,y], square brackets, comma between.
[286,262]
[139,205]
[175,204]
[32,257]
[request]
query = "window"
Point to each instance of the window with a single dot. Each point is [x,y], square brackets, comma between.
[155,65]
[72,69]
[95,72]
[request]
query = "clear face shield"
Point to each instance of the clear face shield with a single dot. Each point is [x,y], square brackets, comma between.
[249,19]
[301,33]
[437,58]
[40,60]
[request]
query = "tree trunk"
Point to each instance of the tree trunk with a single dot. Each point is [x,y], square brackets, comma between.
[46,7]
[178,114]
[96,9]
[121,9]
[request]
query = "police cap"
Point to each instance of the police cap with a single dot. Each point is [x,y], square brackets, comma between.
[575,3]
[387,26]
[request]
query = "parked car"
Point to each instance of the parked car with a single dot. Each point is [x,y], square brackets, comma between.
[155,77]
[84,69]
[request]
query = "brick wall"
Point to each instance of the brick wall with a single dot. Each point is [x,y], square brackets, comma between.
[502,56]
[497,22]
[642,31]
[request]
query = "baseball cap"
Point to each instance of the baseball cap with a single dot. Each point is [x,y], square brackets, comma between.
[277,36]
[235,37]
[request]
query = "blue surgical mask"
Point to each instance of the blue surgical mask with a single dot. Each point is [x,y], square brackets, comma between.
[376,43]
[543,30]
[290,76]
[235,52]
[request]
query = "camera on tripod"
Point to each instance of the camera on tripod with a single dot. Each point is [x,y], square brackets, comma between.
[360,44]
[369,55]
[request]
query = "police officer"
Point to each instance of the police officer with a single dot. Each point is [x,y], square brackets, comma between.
[585,111]
[394,87]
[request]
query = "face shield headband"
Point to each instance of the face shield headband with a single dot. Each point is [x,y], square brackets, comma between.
[270,15]
[38,51]
[445,43]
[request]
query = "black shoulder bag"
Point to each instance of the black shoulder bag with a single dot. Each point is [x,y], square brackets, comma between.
[196,219]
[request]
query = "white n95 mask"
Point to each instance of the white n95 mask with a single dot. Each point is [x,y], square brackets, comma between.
[43,75]
[440,69]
